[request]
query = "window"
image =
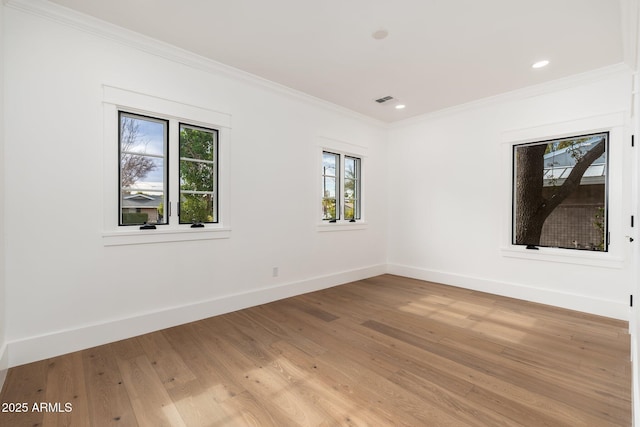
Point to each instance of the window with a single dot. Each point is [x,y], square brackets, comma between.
[560,193]
[330,181]
[341,187]
[351,188]
[166,170]
[146,173]
[198,176]
[143,169]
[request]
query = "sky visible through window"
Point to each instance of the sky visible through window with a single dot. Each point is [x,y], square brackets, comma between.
[150,141]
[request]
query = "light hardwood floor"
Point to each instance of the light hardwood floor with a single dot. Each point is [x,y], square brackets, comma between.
[385,351]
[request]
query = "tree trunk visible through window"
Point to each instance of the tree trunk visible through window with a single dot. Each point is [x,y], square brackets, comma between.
[532,207]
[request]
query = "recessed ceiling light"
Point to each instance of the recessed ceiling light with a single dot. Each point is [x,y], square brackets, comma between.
[540,64]
[380,34]
[400,106]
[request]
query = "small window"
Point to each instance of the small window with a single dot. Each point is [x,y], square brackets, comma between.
[198,175]
[330,181]
[351,188]
[341,187]
[143,169]
[560,193]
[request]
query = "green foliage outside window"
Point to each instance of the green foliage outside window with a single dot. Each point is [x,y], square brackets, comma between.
[134,218]
[197,175]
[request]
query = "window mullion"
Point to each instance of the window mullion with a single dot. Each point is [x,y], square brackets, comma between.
[341,192]
[174,176]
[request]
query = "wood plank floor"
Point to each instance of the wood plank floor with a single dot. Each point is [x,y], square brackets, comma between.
[386,351]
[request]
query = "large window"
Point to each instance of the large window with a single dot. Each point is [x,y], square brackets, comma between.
[341,187]
[560,193]
[148,176]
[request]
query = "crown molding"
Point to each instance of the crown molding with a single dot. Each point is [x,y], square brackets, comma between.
[523,93]
[123,36]
[97,27]
[630,22]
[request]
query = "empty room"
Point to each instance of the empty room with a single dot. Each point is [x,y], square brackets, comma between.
[296,213]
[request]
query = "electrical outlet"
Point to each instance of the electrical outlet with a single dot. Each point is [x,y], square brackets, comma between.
[275,272]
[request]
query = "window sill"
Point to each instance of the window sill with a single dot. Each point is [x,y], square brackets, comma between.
[143,237]
[566,256]
[341,226]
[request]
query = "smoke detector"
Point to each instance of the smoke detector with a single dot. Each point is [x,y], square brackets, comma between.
[380,34]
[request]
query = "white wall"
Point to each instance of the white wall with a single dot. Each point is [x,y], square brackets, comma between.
[440,180]
[3,353]
[66,290]
[633,14]
[634,321]
[449,205]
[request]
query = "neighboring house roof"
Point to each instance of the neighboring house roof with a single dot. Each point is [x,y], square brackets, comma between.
[559,164]
[148,201]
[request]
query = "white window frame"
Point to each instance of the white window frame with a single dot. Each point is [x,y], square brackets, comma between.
[342,149]
[117,99]
[617,211]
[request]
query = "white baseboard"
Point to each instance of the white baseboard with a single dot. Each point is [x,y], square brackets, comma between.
[601,307]
[4,364]
[61,342]
[53,344]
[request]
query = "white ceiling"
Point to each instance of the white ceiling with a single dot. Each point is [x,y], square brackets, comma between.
[439,53]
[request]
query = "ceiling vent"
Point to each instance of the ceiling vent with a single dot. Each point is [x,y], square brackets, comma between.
[384,99]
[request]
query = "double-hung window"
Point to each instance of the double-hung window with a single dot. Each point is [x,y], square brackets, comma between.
[341,187]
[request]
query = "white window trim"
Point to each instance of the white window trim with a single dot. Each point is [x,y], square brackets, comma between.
[117,99]
[618,248]
[343,149]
